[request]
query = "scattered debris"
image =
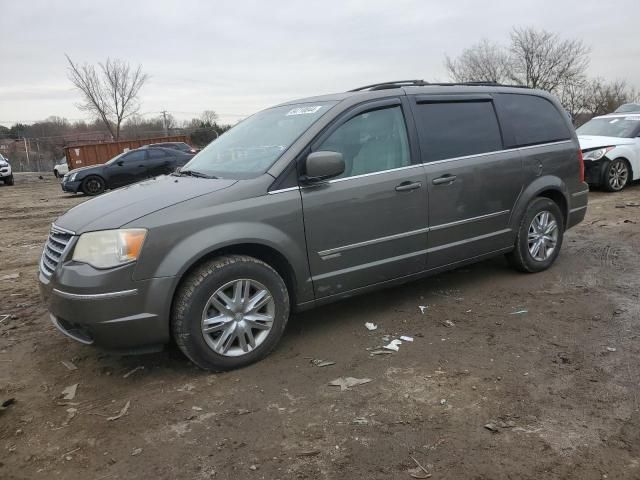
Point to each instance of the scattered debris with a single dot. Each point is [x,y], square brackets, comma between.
[405,338]
[242,411]
[197,409]
[380,352]
[611,349]
[69,365]
[322,363]
[371,326]
[4,317]
[253,467]
[136,452]
[347,382]
[309,453]
[69,393]
[423,308]
[492,427]
[632,204]
[187,387]
[131,372]
[419,472]
[71,413]
[519,312]
[10,276]
[443,401]
[360,421]
[7,403]
[122,413]
[448,323]
[393,345]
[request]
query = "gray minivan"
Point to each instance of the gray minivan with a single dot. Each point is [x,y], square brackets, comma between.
[312,201]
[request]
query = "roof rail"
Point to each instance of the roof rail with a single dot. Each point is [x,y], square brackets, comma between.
[422,83]
[394,84]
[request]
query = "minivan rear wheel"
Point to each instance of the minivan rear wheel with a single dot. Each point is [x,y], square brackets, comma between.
[230,312]
[539,237]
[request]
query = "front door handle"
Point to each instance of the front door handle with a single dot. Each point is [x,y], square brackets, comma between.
[408,186]
[445,179]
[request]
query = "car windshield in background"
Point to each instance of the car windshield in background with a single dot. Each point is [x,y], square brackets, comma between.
[623,127]
[252,146]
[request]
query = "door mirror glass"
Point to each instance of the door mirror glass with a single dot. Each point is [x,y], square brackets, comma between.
[323,165]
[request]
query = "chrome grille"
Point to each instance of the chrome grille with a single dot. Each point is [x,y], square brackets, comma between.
[54,249]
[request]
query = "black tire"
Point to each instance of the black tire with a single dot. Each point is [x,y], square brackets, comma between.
[8,180]
[521,258]
[616,175]
[92,185]
[55,173]
[193,296]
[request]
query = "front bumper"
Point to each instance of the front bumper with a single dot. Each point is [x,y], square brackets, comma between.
[71,187]
[5,172]
[107,307]
[594,171]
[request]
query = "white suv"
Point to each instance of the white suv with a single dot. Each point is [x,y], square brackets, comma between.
[610,147]
[6,175]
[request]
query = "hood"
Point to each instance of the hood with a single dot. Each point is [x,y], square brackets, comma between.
[119,207]
[82,169]
[587,142]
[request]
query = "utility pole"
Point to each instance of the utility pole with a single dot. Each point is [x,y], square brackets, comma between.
[164,123]
[26,149]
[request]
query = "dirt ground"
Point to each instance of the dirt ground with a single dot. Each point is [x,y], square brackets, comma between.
[549,361]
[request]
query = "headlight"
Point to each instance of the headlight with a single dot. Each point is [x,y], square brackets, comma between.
[3,164]
[72,177]
[597,154]
[109,248]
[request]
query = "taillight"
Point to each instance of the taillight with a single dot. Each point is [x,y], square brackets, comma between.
[581,160]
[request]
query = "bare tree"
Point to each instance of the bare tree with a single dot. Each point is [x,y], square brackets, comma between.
[110,92]
[484,62]
[209,118]
[540,59]
[602,97]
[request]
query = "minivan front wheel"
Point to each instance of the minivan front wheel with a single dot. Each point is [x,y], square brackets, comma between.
[230,312]
[539,237]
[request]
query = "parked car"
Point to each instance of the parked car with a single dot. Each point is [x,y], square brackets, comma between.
[124,169]
[183,147]
[312,201]
[6,174]
[611,150]
[61,168]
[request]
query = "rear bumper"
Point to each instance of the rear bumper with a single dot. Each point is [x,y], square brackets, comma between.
[578,206]
[120,315]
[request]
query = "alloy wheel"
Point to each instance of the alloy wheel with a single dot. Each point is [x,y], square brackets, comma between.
[543,236]
[238,317]
[618,175]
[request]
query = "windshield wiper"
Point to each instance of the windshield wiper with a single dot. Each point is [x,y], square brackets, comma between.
[195,173]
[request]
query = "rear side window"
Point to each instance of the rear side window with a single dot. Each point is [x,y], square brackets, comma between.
[530,120]
[136,156]
[457,129]
[155,153]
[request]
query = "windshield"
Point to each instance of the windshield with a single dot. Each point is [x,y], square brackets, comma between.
[253,145]
[623,127]
[114,159]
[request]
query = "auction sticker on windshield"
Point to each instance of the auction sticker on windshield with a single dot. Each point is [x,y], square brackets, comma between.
[304,110]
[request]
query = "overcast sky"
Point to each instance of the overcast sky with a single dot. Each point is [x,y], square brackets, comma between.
[236,57]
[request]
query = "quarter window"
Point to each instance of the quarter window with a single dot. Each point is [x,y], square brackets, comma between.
[531,120]
[371,142]
[457,129]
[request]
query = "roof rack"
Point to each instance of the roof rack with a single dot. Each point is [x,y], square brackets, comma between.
[422,83]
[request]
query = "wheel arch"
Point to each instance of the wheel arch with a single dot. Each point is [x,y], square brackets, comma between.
[548,187]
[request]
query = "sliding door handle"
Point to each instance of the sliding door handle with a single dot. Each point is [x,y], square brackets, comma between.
[408,186]
[444,180]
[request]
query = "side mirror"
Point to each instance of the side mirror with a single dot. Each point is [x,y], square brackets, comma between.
[120,163]
[321,166]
